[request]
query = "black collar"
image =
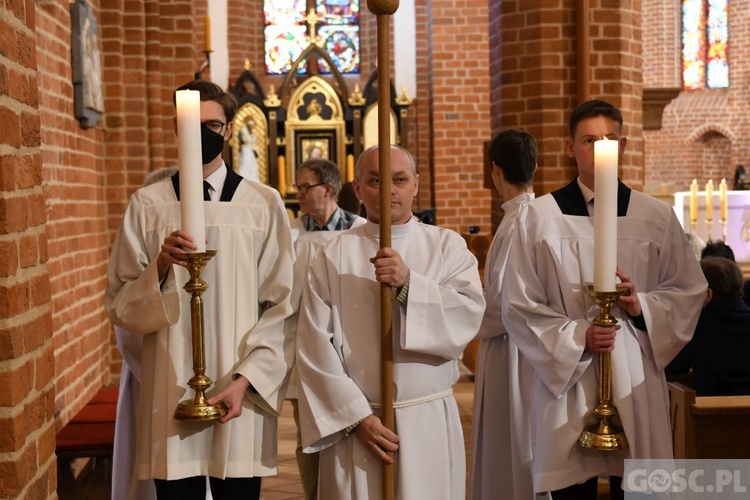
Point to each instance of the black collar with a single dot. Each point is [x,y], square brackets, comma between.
[571,201]
[231,184]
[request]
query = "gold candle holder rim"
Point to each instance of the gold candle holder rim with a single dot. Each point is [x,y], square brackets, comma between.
[620,291]
[208,254]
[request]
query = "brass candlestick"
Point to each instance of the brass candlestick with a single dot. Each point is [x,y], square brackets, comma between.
[198,408]
[709,224]
[604,435]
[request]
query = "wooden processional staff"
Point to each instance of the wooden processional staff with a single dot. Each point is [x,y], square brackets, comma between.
[383,9]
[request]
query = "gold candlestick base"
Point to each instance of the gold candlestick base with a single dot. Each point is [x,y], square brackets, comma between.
[604,435]
[198,409]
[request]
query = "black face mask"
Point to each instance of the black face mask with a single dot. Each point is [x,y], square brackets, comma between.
[212,144]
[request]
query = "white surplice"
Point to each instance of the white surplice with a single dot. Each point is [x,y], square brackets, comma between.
[248,298]
[501,439]
[125,483]
[547,313]
[338,356]
[306,243]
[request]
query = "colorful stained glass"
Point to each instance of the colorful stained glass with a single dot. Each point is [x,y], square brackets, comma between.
[717,62]
[284,34]
[287,34]
[693,44]
[705,42]
[340,34]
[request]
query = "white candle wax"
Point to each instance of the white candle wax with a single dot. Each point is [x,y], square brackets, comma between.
[191,169]
[605,214]
[694,201]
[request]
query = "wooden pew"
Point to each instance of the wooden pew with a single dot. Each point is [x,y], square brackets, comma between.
[89,436]
[708,427]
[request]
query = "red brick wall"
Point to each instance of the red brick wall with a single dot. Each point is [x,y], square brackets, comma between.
[687,146]
[245,24]
[73,173]
[534,83]
[459,98]
[148,49]
[420,138]
[27,369]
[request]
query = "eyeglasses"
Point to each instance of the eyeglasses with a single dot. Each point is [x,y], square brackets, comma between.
[304,188]
[215,126]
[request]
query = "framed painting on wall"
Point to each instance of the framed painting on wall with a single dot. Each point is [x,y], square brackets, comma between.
[87,67]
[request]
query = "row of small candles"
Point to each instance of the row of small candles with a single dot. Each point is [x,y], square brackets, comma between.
[709,201]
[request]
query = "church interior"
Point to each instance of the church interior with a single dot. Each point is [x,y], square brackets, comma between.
[86,113]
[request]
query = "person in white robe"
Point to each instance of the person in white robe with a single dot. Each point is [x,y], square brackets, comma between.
[248,354]
[501,439]
[437,309]
[549,317]
[125,483]
[317,185]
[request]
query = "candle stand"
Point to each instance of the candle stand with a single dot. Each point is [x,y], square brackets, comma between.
[604,435]
[197,408]
[204,65]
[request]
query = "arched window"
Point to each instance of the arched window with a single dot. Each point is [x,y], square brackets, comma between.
[332,24]
[705,42]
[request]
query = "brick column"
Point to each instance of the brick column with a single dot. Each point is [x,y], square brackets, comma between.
[459,94]
[534,77]
[27,431]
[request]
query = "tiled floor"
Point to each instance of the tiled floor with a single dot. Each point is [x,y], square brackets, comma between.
[286,485]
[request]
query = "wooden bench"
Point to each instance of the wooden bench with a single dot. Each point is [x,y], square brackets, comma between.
[708,427]
[89,435]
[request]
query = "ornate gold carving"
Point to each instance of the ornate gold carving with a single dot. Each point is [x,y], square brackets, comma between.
[357,99]
[314,108]
[272,100]
[403,99]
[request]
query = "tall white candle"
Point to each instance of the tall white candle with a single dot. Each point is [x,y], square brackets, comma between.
[191,169]
[694,201]
[605,214]
[710,203]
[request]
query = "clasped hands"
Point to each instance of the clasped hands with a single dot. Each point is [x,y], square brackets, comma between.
[602,339]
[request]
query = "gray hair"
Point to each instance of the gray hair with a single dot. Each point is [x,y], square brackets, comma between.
[159,174]
[327,172]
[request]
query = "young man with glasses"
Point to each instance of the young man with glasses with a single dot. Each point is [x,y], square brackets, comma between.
[248,353]
[318,185]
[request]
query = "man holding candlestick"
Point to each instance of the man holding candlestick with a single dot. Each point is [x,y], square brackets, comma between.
[248,354]
[549,317]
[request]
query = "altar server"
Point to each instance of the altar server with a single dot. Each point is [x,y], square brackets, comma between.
[549,316]
[247,353]
[438,306]
[501,440]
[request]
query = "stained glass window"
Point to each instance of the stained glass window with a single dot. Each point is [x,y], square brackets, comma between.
[705,41]
[287,34]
